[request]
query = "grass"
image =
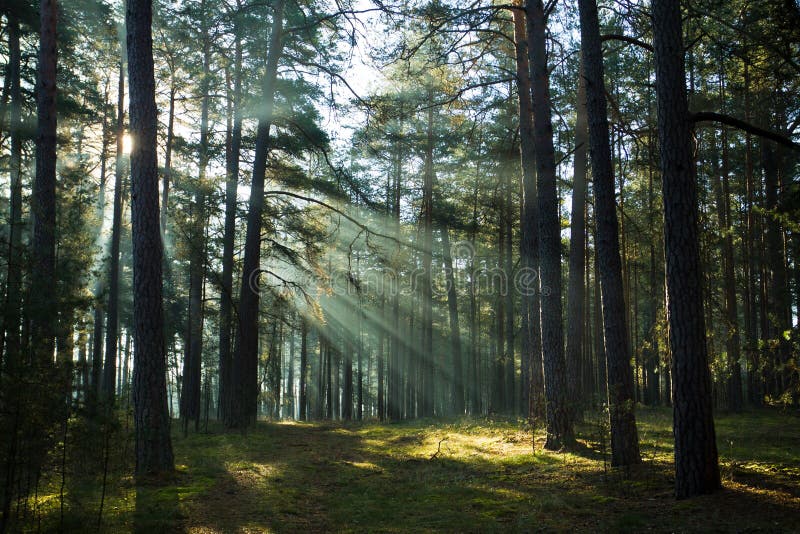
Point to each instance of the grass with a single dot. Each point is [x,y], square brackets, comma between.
[460,476]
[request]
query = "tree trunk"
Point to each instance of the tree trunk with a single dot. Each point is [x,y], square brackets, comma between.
[531,342]
[426,356]
[508,269]
[245,361]
[778,299]
[151,417]
[455,329]
[696,467]
[192,373]
[43,311]
[112,312]
[577,249]
[624,437]
[229,238]
[559,427]
[12,316]
[722,193]
[303,400]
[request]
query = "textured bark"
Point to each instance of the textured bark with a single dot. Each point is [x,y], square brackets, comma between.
[43,311]
[778,298]
[13,297]
[577,254]
[559,427]
[455,329]
[151,417]
[192,370]
[426,356]
[168,160]
[531,341]
[231,183]
[303,385]
[696,463]
[731,306]
[112,311]
[245,361]
[624,437]
[509,359]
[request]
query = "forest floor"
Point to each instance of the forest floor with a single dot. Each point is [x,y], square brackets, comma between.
[462,476]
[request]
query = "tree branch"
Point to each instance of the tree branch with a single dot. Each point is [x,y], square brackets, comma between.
[711,116]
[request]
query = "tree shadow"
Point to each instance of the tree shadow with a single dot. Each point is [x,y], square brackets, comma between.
[158,505]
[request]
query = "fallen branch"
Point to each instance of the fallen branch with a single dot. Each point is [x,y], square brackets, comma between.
[438,449]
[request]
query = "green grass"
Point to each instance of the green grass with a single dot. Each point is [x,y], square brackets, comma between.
[312,477]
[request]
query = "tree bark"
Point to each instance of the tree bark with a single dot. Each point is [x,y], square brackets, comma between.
[192,370]
[231,184]
[303,386]
[559,427]
[12,316]
[151,417]
[624,437]
[43,311]
[455,329]
[696,464]
[112,311]
[245,361]
[577,250]
[531,342]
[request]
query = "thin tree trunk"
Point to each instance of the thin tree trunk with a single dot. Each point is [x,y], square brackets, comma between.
[192,373]
[12,315]
[455,329]
[112,311]
[722,193]
[231,183]
[426,356]
[303,393]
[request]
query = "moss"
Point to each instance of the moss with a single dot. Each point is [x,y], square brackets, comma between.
[463,475]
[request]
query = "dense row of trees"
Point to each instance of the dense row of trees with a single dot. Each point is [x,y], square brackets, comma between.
[477,232]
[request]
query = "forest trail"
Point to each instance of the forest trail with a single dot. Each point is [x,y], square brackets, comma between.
[315,477]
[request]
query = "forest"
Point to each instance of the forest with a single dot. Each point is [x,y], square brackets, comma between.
[399,265]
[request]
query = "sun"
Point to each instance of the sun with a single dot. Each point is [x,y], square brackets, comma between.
[127,143]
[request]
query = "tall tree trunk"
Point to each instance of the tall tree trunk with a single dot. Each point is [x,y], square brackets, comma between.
[559,426]
[624,437]
[778,298]
[426,356]
[192,373]
[12,316]
[696,464]
[722,194]
[43,312]
[303,385]
[229,238]
[508,269]
[577,250]
[112,311]
[151,417]
[455,329]
[531,342]
[168,160]
[750,311]
[381,404]
[245,361]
